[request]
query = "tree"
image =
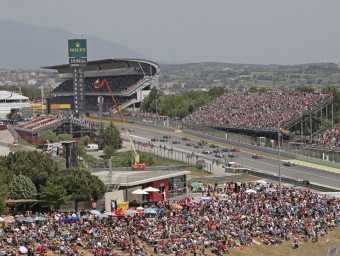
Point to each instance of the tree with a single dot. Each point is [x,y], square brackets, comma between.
[47,136]
[80,184]
[4,194]
[64,136]
[21,187]
[149,102]
[109,151]
[37,166]
[109,136]
[54,195]
[216,92]
[82,143]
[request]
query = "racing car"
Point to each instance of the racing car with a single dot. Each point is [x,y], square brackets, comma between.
[288,164]
[256,156]
[232,155]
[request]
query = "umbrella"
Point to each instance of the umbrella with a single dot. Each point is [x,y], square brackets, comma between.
[119,213]
[40,218]
[177,206]
[206,198]
[95,212]
[150,210]
[28,219]
[20,218]
[1,219]
[140,192]
[23,250]
[9,219]
[195,185]
[140,208]
[129,212]
[109,214]
[151,189]
[249,191]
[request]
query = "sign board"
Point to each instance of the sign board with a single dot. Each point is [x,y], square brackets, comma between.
[77,61]
[53,106]
[77,48]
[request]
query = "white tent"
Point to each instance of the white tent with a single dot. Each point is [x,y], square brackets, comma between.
[140,192]
[151,189]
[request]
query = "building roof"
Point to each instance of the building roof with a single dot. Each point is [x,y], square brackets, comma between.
[6,95]
[104,64]
[134,178]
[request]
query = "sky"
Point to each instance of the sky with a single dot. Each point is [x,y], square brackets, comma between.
[185,31]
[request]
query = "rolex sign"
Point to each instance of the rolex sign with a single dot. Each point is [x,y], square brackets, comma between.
[77,48]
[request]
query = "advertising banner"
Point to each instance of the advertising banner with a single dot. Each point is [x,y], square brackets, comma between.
[77,48]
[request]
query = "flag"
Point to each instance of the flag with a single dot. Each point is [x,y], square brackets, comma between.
[332,251]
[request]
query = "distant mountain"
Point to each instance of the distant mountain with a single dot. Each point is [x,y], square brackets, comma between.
[28,47]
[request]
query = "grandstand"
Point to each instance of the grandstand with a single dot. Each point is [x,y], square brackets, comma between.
[130,81]
[77,128]
[12,101]
[261,113]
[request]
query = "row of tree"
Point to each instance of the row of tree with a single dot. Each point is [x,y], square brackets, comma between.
[33,175]
[179,105]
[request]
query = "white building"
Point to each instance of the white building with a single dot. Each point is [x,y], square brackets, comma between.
[12,100]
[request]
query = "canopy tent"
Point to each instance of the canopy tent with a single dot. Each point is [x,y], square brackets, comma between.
[139,192]
[151,189]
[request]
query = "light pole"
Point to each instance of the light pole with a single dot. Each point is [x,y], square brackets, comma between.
[279,158]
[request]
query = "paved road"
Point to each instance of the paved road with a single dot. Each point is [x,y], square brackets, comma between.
[267,164]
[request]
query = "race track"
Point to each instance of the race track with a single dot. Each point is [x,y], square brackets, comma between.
[268,164]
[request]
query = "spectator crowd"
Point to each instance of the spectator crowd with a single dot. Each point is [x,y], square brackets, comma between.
[259,111]
[241,214]
[329,138]
[116,83]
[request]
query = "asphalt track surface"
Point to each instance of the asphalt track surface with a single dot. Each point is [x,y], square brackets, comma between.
[324,177]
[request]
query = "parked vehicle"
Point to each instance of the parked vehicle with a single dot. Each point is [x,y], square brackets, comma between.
[185,138]
[163,140]
[219,155]
[207,152]
[176,142]
[92,147]
[154,139]
[165,136]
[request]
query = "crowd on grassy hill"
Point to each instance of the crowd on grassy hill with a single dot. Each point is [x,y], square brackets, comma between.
[216,223]
[262,111]
[329,138]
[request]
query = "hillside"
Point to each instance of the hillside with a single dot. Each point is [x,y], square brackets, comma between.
[29,47]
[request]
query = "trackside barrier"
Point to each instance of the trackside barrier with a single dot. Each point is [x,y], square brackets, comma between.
[284,179]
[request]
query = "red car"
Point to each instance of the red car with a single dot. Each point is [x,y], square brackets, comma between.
[3,127]
[256,156]
[234,149]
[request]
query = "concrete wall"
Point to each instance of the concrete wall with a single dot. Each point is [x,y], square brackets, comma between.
[115,195]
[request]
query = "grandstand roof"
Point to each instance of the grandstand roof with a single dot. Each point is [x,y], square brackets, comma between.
[106,64]
[6,95]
